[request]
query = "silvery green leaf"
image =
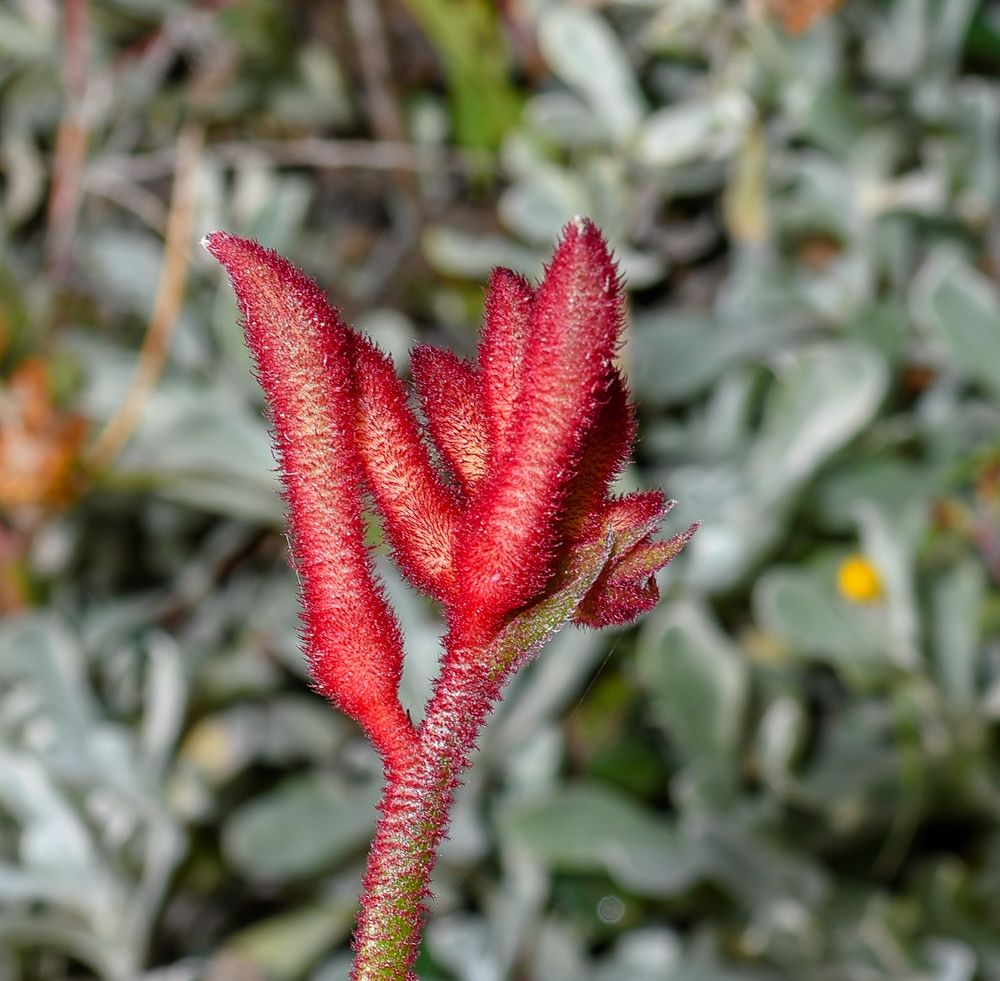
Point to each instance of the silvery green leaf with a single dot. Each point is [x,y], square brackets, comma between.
[691,131]
[587,55]
[300,727]
[283,731]
[949,31]
[780,888]
[24,169]
[532,766]
[538,207]
[21,885]
[649,954]
[886,480]
[803,608]
[897,42]
[565,119]
[673,356]
[823,197]
[734,531]
[461,942]
[587,827]
[960,308]
[889,539]
[300,828]
[53,839]
[37,651]
[165,700]
[196,443]
[845,288]
[228,332]
[274,618]
[203,447]
[639,270]
[392,330]
[456,253]
[284,947]
[611,196]
[127,267]
[545,687]
[23,40]
[823,396]
[854,770]
[950,959]
[779,740]
[725,426]
[982,120]
[320,95]
[697,681]
[266,206]
[956,600]
[337,968]
[559,954]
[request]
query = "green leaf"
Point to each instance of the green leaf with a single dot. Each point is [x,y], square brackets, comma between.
[468,37]
[300,828]
[587,827]
[803,608]
[824,396]
[959,306]
[956,599]
[693,131]
[673,356]
[697,680]
[284,947]
[587,55]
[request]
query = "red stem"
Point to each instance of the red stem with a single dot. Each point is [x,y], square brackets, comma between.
[415,809]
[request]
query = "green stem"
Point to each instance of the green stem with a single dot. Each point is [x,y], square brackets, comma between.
[415,809]
[468,37]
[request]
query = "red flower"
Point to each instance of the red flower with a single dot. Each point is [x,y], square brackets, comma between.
[500,508]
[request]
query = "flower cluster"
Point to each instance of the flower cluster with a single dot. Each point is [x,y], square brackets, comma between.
[497,505]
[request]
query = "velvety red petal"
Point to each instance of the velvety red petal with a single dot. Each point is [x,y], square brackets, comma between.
[509,302]
[301,351]
[509,550]
[450,399]
[607,450]
[420,514]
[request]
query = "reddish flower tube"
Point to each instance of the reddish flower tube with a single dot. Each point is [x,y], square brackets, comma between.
[500,508]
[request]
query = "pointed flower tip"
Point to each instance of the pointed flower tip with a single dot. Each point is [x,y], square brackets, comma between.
[583,254]
[627,587]
[220,244]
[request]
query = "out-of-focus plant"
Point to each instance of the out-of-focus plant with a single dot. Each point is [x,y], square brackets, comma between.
[468,37]
[790,771]
[514,535]
[97,844]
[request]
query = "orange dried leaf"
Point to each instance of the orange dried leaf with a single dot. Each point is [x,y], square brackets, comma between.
[39,442]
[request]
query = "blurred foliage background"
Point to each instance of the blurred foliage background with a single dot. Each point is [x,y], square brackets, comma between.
[791,769]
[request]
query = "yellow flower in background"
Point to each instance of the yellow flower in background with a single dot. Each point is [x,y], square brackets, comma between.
[858,580]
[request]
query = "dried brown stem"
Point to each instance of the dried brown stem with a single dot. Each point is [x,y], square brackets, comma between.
[310,152]
[380,95]
[71,140]
[145,205]
[166,307]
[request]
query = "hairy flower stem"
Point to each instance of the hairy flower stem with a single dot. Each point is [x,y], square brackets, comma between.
[415,807]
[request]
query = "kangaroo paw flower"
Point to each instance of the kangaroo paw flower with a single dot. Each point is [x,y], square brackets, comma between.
[499,507]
